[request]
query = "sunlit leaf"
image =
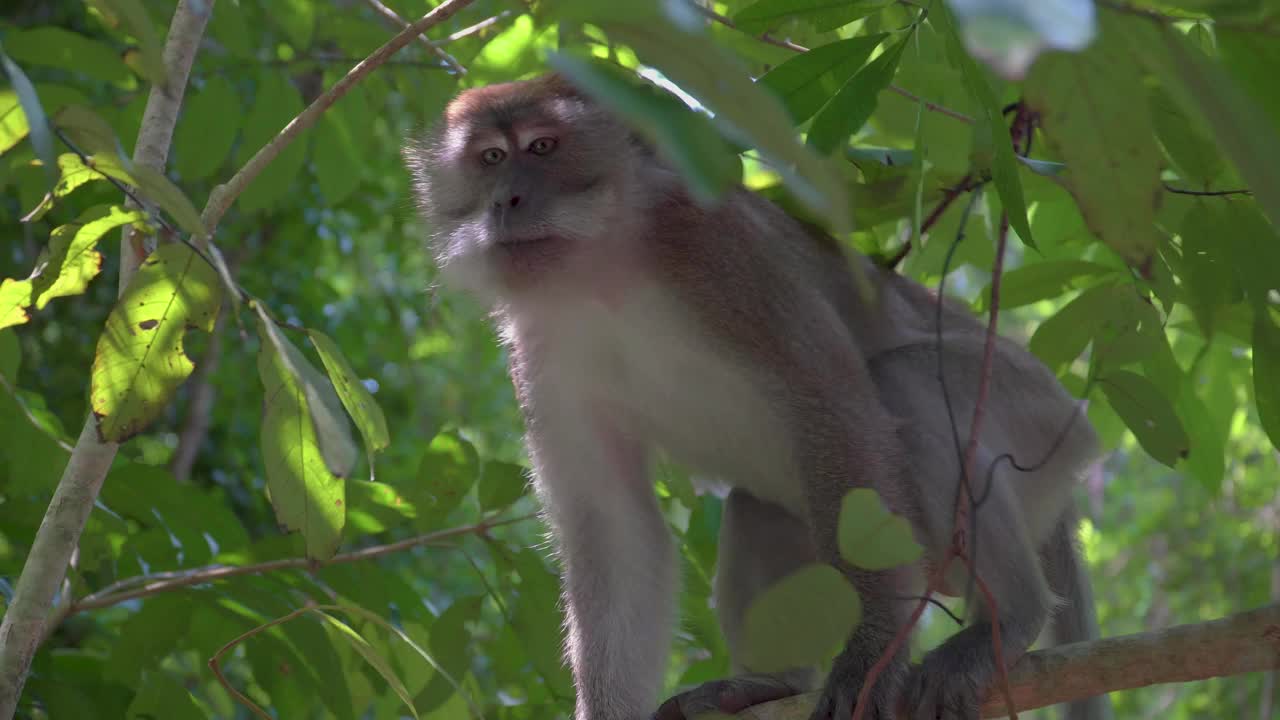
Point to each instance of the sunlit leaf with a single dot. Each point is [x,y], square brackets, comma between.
[139,362]
[33,111]
[685,138]
[873,538]
[850,108]
[373,657]
[809,80]
[356,398]
[328,419]
[801,620]
[306,495]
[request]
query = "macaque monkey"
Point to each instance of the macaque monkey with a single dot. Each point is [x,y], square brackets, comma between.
[737,340]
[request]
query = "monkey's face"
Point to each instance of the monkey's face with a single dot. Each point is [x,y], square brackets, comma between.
[518,183]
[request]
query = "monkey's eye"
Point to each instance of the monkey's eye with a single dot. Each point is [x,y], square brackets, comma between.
[542,145]
[492,156]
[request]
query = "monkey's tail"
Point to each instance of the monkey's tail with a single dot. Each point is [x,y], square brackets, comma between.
[1076,619]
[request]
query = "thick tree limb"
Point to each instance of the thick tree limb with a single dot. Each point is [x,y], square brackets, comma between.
[59,533]
[1242,643]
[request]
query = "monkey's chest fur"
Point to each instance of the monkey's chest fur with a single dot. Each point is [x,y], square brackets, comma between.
[640,367]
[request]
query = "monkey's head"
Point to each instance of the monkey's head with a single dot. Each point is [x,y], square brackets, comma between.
[521,181]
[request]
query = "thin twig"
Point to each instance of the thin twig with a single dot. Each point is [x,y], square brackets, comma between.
[966,184]
[794,47]
[224,195]
[1206,193]
[114,594]
[473,29]
[394,18]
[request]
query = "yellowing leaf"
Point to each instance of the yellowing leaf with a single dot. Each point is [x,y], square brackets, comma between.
[1093,114]
[871,537]
[15,298]
[801,620]
[139,361]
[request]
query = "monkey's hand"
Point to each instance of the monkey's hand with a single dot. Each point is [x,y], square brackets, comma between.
[731,695]
[844,684]
[951,681]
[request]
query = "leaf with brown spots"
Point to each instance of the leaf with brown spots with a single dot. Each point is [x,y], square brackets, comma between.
[140,362]
[1093,113]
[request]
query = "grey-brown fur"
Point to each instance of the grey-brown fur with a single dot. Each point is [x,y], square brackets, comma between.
[735,339]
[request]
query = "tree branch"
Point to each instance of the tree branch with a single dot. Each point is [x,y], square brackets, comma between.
[223,195]
[394,18]
[147,585]
[1241,643]
[58,537]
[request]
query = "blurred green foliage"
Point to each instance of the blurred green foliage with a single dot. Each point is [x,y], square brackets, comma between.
[1177,349]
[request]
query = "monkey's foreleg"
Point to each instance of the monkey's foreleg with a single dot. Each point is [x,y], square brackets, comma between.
[618,562]
[760,544]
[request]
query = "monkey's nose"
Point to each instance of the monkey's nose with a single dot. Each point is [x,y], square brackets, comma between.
[515,200]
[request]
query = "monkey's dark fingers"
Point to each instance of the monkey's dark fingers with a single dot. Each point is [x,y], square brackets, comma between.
[731,695]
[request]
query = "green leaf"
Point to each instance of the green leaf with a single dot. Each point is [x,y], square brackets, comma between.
[1089,117]
[1041,281]
[663,37]
[297,18]
[154,186]
[1254,250]
[131,16]
[13,121]
[339,155]
[275,103]
[1059,340]
[210,121]
[306,495]
[371,656]
[807,81]
[451,646]
[873,538]
[67,50]
[501,484]
[1253,59]
[850,108]
[374,507]
[766,15]
[1149,415]
[1244,131]
[356,398]
[801,620]
[322,403]
[683,137]
[15,298]
[1207,275]
[33,112]
[990,132]
[1205,461]
[1266,373]
[65,266]
[1197,158]
[139,362]
[447,471]
[86,129]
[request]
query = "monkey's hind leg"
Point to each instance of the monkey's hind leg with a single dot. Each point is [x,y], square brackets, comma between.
[1076,619]
[954,678]
[760,543]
